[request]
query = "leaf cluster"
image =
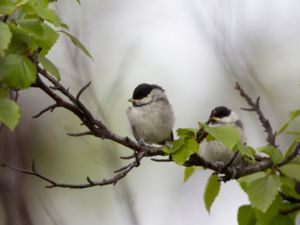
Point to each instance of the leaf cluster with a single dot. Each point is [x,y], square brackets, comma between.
[28,30]
[270,191]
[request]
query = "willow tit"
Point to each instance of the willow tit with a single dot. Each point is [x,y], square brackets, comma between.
[151,116]
[214,151]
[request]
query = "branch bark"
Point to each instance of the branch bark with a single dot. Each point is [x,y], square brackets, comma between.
[65,99]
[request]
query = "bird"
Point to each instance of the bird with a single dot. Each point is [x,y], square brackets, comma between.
[214,151]
[151,116]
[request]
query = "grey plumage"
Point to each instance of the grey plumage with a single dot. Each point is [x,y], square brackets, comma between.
[151,116]
[215,151]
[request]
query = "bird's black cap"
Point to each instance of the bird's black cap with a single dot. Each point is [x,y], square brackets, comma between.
[142,90]
[220,112]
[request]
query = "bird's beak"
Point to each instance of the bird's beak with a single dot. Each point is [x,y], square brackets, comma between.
[131,100]
[213,120]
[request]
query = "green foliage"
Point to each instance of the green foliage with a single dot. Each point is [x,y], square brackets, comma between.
[274,153]
[293,115]
[246,215]
[262,190]
[288,187]
[77,43]
[7,7]
[9,113]
[27,33]
[49,66]
[211,191]
[227,135]
[247,152]
[188,172]
[17,71]
[282,220]
[5,37]
[184,146]
[291,170]
[264,218]
[291,146]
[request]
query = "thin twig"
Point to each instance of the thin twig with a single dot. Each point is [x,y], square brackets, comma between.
[289,211]
[80,134]
[293,154]
[97,128]
[49,108]
[127,157]
[161,160]
[255,106]
[289,198]
[82,90]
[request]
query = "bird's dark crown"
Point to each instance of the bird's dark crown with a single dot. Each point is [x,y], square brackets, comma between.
[143,90]
[220,112]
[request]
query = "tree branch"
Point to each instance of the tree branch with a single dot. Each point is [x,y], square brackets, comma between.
[293,154]
[98,129]
[255,106]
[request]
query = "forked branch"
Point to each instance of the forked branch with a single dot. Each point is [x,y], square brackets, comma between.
[65,99]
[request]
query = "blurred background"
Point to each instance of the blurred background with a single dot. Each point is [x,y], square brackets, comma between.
[196,50]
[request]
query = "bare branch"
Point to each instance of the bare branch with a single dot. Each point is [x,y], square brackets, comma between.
[255,106]
[121,173]
[49,108]
[80,134]
[95,127]
[161,160]
[82,90]
[294,153]
[289,211]
[127,157]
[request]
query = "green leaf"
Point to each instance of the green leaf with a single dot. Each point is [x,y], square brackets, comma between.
[189,147]
[247,151]
[5,37]
[21,2]
[262,191]
[293,115]
[3,92]
[176,145]
[188,172]
[228,135]
[186,132]
[6,7]
[9,113]
[17,71]
[77,43]
[246,180]
[264,218]
[47,14]
[49,66]
[211,191]
[246,215]
[291,170]
[282,220]
[291,147]
[289,187]
[274,153]
[35,34]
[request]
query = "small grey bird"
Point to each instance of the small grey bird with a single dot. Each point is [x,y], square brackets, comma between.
[151,116]
[214,151]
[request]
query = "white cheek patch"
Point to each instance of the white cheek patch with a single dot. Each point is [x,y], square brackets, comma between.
[232,118]
[144,100]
